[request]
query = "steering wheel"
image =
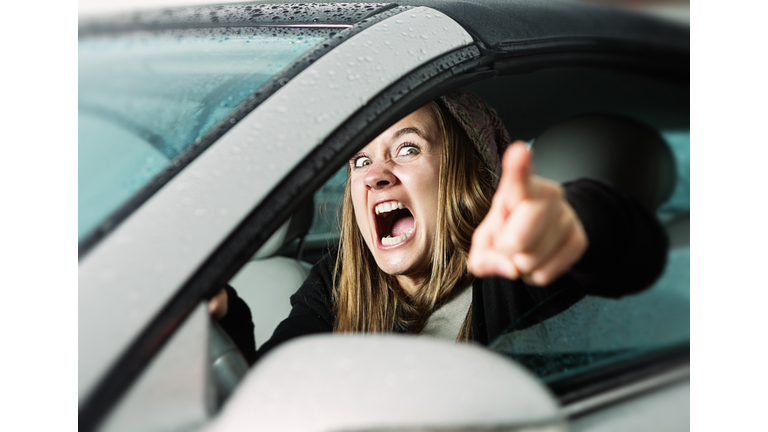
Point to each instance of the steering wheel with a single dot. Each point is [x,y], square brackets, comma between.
[228,366]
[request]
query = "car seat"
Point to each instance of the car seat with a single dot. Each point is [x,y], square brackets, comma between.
[267,281]
[628,154]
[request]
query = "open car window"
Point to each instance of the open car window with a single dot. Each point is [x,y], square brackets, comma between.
[597,334]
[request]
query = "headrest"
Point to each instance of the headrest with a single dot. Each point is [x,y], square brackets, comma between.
[626,153]
[295,227]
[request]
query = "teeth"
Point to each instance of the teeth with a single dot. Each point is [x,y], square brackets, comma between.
[388,207]
[388,241]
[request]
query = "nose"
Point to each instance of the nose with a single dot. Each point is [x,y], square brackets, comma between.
[379,176]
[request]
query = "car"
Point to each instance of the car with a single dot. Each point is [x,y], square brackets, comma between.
[212,146]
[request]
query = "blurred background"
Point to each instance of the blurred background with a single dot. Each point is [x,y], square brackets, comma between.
[676,10]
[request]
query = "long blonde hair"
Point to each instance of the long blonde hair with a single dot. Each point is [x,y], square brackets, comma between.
[366,299]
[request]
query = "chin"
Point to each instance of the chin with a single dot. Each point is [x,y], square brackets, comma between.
[397,263]
[392,268]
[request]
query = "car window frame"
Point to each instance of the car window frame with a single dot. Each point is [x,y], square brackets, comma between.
[265,218]
[343,33]
[613,383]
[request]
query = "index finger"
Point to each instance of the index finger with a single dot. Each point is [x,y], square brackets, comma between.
[515,182]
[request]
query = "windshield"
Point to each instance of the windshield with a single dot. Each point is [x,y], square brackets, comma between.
[145,97]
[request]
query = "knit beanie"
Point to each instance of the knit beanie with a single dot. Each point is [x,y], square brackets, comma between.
[482,125]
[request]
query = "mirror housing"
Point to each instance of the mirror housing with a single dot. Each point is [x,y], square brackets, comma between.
[368,382]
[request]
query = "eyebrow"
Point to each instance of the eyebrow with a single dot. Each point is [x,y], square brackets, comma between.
[398,134]
[408,130]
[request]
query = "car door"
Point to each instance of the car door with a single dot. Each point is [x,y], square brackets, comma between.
[146,268]
[143,277]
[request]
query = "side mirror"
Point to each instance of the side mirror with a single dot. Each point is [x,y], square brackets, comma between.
[388,382]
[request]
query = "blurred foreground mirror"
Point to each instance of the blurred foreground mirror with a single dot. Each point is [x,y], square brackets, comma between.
[388,382]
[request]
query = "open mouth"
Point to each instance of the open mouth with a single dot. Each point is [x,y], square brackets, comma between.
[394,222]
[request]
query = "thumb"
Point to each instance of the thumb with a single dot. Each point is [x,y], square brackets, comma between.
[515,182]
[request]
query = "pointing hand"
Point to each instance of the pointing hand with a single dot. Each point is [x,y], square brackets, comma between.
[531,231]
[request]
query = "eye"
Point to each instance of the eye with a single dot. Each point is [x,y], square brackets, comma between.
[408,150]
[362,161]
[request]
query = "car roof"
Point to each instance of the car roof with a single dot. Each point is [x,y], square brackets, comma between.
[497,24]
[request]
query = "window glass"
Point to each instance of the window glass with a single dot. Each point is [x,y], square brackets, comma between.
[596,332]
[328,202]
[144,97]
[323,234]
[680,201]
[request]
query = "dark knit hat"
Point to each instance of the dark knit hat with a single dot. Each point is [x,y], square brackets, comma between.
[482,125]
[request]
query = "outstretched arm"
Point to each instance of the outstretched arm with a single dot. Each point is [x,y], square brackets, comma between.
[538,230]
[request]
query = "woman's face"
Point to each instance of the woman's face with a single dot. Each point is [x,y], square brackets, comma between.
[394,184]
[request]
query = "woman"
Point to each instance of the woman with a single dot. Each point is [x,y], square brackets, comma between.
[438,239]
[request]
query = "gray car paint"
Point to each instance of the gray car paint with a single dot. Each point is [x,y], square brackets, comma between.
[172,394]
[388,382]
[665,410]
[128,277]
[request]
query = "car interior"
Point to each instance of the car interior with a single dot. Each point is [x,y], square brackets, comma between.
[609,125]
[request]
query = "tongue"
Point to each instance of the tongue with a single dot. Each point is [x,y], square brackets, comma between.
[402,226]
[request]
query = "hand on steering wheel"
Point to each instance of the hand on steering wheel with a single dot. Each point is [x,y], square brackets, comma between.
[217,306]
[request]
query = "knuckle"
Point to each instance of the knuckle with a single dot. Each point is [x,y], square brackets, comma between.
[543,278]
[477,269]
[550,188]
[524,262]
[557,190]
[510,244]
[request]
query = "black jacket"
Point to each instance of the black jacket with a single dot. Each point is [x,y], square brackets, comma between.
[626,253]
